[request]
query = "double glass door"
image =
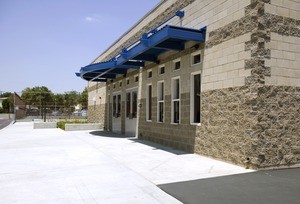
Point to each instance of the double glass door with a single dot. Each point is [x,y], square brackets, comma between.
[131,112]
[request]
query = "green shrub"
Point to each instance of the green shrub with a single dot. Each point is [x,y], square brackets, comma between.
[61,124]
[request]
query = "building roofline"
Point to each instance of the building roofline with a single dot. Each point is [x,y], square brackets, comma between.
[136,24]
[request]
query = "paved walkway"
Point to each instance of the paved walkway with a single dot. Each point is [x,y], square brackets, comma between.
[53,166]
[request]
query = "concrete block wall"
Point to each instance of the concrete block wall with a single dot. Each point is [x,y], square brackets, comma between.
[96,103]
[284,60]
[224,64]
[212,13]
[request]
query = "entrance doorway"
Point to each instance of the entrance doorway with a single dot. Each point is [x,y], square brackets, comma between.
[131,111]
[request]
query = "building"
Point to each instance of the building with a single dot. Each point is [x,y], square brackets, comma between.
[1,100]
[220,78]
[20,107]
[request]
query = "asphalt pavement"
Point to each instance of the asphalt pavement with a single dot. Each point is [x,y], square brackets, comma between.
[4,122]
[262,187]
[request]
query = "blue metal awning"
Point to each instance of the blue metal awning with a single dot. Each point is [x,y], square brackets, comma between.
[147,49]
[100,72]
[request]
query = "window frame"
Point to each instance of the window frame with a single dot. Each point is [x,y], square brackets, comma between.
[175,100]
[148,107]
[192,90]
[136,78]
[159,69]
[160,101]
[148,73]
[174,64]
[118,103]
[192,58]
[131,105]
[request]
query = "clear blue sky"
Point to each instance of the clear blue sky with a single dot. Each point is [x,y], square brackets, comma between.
[44,42]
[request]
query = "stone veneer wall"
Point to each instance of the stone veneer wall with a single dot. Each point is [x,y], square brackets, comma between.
[256,124]
[96,114]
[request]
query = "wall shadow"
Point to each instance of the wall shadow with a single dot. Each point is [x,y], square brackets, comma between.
[103,133]
[157,146]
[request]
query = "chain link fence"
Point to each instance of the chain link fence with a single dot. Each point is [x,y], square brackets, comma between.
[45,106]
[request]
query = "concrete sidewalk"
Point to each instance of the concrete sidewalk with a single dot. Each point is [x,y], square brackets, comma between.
[53,166]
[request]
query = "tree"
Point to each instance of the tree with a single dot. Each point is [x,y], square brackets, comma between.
[71,100]
[83,99]
[8,103]
[39,96]
[59,101]
[34,96]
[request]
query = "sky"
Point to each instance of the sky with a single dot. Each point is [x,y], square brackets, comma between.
[44,42]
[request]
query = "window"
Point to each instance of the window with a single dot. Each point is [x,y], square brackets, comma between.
[134,104]
[149,103]
[114,85]
[175,96]
[120,83]
[127,81]
[195,98]
[114,105]
[128,104]
[109,106]
[176,64]
[108,87]
[196,58]
[161,69]
[136,78]
[131,104]
[117,105]
[160,101]
[149,74]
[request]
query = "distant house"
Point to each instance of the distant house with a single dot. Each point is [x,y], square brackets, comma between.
[217,78]
[1,100]
[20,107]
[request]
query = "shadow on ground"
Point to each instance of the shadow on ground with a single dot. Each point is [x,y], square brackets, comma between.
[101,133]
[156,146]
[268,187]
